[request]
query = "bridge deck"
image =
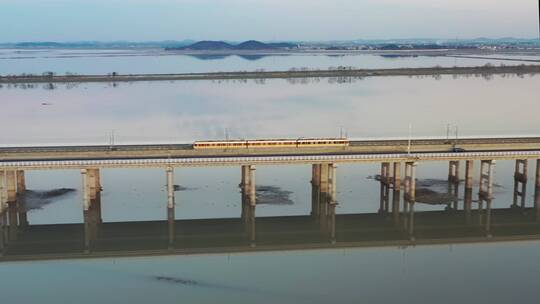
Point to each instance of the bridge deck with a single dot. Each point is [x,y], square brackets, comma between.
[185,155]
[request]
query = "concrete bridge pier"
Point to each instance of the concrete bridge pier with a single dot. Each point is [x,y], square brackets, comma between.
[93,182]
[487,169]
[410,181]
[520,182]
[3,192]
[170,187]
[453,172]
[21,182]
[397,176]
[324,189]
[316,174]
[319,201]
[169,173]
[86,190]
[332,183]
[323,178]
[391,174]
[320,176]
[91,185]
[248,183]
[11,186]
[386,174]
[538,173]
[469,168]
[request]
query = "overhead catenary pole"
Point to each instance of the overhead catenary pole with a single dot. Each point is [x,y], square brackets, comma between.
[409,141]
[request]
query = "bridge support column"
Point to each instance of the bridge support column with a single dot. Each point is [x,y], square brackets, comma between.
[332,177]
[252,186]
[537,173]
[385,173]
[323,179]
[453,172]
[397,175]
[85,189]
[410,181]
[93,180]
[170,207]
[520,182]
[170,187]
[248,183]
[487,168]
[469,167]
[316,174]
[11,185]
[21,182]
[3,192]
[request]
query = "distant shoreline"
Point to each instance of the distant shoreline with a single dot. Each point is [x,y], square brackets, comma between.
[478,70]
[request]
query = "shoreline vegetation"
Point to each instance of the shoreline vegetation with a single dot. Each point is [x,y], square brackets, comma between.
[487,69]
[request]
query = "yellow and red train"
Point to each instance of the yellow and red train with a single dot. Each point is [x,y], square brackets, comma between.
[272,143]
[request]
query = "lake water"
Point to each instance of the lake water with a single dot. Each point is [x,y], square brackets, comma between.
[183,111]
[14,61]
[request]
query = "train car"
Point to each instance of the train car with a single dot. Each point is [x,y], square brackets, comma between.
[272,143]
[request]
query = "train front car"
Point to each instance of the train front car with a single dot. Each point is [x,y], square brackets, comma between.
[220,144]
[272,143]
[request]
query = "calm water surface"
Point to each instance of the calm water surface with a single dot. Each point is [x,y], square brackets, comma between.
[184,111]
[156,61]
[188,110]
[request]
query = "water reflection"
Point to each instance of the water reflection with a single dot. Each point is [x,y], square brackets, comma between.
[262,81]
[395,223]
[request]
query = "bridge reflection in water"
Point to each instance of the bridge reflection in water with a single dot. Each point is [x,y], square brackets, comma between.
[396,223]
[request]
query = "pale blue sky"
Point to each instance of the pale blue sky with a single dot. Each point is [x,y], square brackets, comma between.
[138,20]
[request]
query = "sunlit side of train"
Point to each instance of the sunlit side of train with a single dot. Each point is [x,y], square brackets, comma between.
[272,143]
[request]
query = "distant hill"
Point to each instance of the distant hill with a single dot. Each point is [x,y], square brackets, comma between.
[221,45]
[207,45]
[252,45]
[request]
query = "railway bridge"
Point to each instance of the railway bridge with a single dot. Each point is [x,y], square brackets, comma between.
[399,160]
